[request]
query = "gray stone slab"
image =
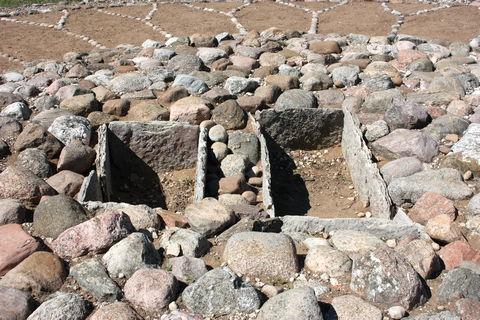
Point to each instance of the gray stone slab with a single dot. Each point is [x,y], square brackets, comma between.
[90,189]
[365,174]
[201,170]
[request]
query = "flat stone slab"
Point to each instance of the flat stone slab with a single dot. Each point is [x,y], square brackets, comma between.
[302,128]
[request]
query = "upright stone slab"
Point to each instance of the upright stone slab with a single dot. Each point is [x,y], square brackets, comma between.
[366,177]
[302,128]
[201,169]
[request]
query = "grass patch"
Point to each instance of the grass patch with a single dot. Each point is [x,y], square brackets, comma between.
[18,3]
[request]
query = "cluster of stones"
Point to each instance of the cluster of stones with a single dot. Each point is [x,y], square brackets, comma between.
[419,105]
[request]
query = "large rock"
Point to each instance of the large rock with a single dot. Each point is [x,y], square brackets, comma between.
[407,115]
[447,182]
[444,315]
[234,164]
[237,85]
[220,292]
[129,82]
[352,307]
[94,235]
[41,273]
[93,278]
[11,211]
[163,146]
[350,241]
[184,64]
[178,241]
[194,85]
[447,124]
[209,217]
[56,214]
[261,254]
[379,101]
[245,144]
[66,182]
[131,254]
[453,254]
[298,303]
[325,259]
[187,269]
[76,157]
[442,229]
[320,128]
[429,205]
[190,109]
[422,257]
[459,283]
[294,99]
[81,105]
[383,276]
[151,289]
[141,216]
[36,161]
[36,136]
[401,167]
[345,76]
[15,245]
[15,304]
[230,115]
[21,184]
[63,306]
[69,128]
[406,143]
[115,311]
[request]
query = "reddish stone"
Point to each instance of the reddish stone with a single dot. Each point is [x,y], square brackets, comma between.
[125,69]
[429,205]
[116,107]
[173,94]
[15,245]
[443,229]
[408,56]
[456,252]
[235,184]
[172,219]
[325,47]
[94,235]
[468,309]
[66,182]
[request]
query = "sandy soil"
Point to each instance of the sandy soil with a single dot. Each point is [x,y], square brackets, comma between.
[135,11]
[8,65]
[453,24]
[195,21]
[22,41]
[110,30]
[51,17]
[222,6]
[410,8]
[316,5]
[259,17]
[364,18]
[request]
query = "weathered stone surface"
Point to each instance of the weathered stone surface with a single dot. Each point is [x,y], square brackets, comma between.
[261,254]
[141,216]
[42,272]
[66,182]
[80,105]
[17,110]
[69,128]
[36,136]
[175,144]
[442,229]
[94,235]
[220,292]
[115,311]
[459,283]
[298,303]
[21,184]
[406,143]
[131,254]
[151,289]
[350,241]
[184,63]
[352,307]
[93,278]
[383,276]
[365,175]
[76,157]
[148,110]
[193,110]
[473,208]
[129,82]
[453,254]
[11,211]
[209,216]
[407,115]
[429,205]
[36,161]
[422,257]
[233,164]
[187,269]
[193,85]
[444,315]
[324,259]
[379,101]
[237,85]
[345,76]
[15,304]
[446,124]
[447,182]
[69,306]
[320,127]
[295,99]
[56,214]
[177,241]
[230,115]
[15,246]
[402,167]
[469,309]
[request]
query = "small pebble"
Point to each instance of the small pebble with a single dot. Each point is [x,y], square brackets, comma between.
[368,214]
[172,306]
[391,243]
[361,214]
[334,281]
[396,312]
[467,175]
[435,246]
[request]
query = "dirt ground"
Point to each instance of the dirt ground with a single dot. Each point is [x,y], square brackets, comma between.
[358,17]
[134,11]
[50,18]
[259,17]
